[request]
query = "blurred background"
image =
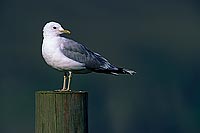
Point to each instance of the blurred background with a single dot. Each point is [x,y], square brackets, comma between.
[160,39]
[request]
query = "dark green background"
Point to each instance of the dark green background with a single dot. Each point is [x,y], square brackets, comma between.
[160,39]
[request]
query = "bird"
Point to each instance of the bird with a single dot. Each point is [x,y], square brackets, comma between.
[71,57]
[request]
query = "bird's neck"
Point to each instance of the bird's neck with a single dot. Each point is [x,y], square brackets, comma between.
[47,35]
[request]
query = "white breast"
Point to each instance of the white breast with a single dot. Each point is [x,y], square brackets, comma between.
[55,58]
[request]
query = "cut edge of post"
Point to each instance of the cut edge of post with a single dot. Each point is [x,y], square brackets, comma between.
[61,92]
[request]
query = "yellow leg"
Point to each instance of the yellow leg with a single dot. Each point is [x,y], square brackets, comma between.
[64,82]
[69,81]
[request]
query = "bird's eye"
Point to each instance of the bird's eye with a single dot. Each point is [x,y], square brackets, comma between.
[54,27]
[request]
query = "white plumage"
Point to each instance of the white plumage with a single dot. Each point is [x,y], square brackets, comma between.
[55,58]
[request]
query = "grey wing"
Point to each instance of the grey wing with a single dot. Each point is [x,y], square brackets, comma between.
[80,53]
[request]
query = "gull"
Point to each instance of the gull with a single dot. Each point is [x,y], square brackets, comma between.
[70,56]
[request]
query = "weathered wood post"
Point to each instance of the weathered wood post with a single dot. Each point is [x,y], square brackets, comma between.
[61,112]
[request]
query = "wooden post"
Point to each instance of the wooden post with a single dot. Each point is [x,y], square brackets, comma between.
[61,112]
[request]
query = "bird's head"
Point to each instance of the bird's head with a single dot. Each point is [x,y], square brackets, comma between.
[54,29]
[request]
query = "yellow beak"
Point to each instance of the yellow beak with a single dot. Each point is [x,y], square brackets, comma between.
[65,31]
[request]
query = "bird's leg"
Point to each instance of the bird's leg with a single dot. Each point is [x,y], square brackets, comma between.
[64,82]
[69,80]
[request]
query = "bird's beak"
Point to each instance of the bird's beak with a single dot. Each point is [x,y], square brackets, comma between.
[65,31]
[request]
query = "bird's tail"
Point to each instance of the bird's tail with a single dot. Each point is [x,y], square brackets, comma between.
[126,71]
[108,68]
[122,71]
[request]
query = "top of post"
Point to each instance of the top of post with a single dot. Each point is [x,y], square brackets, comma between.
[61,92]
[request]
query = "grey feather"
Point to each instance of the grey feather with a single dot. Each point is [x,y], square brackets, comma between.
[82,54]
